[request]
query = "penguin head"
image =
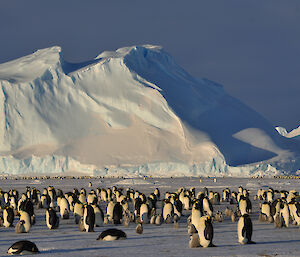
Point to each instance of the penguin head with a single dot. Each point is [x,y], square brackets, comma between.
[197,205]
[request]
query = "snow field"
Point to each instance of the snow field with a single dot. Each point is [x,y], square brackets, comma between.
[161,240]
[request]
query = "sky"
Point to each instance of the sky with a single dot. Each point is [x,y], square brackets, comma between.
[250,47]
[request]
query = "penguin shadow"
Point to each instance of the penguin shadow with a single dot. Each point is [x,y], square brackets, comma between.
[54,251]
[149,237]
[278,242]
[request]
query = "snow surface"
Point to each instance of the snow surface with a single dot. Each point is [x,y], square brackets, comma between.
[131,110]
[282,131]
[156,240]
[295,133]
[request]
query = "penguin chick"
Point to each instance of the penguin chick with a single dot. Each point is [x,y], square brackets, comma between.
[168,219]
[158,220]
[152,220]
[139,228]
[176,221]
[126,220]
[194,241]
[192,229]
[278,222]
[20,228]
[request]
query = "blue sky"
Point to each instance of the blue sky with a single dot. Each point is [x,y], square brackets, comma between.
[250,47]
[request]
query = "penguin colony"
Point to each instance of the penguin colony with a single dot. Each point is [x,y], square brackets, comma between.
[131,206]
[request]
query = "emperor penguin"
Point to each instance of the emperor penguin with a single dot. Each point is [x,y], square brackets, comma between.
[82,198]
[205,231]
[157,193]
[23,247]
[26,218]
[88,218]
[117,213]
[20,227]
[186,202]
[8,217]
[158,220]
[112,234]
[144,213]
[245,229]
[110,210]
[99,215]
[243,205]
[207,206]
[167,209]
[285,213]
[52,220]
[295,212]
[197,213]
[78,211]
[103,195]
[64,208]
[194,241]
[139,228]
[177,206]
[92,199]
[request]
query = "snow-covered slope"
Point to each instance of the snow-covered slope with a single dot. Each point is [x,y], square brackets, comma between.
[282,131]
[133,107]
[295,133]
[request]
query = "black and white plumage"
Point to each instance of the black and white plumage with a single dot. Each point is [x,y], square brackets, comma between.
[64,208]
[8,217]
[24,216]
[117,213]
[245,230]
[112,234]
[52,220]
[23,247]
[88,218]
[206,231]
[99,215]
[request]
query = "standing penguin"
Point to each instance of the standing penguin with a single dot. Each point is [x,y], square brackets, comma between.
[285,213]
[168,210]
[117,213]
[99,215]
[52,219]
[8,217]
[88,218]
[78,211]
[206,231]
[197,212]
[64,208]
[24,216]
[245,229]
[144,213]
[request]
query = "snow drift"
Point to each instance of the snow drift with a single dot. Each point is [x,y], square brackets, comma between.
[132,110]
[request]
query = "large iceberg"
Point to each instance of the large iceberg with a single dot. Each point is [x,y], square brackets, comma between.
[130,111]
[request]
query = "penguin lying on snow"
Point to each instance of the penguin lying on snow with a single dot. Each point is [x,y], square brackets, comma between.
[112,234]
[23,247]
